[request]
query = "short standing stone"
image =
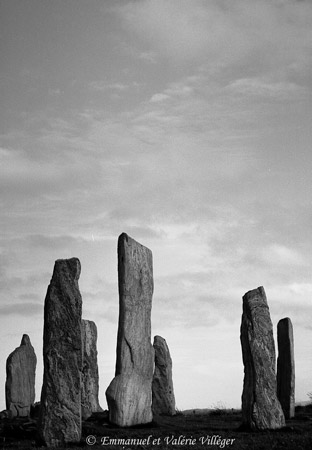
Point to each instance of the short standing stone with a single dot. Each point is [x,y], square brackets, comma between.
[20,381]
[60,410]
[162,388]
[90,372]
[286,367]
[129,396]
[260,406]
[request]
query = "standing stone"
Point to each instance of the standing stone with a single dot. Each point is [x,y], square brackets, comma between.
[286,367]
[129,396]
[60,411]
[20,381]
[260,406]
[163,401]
[90,372]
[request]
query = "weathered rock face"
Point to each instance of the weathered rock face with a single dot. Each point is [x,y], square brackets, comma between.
[129,396]
[163,401]
[20,381]
[90,372]
[60,410]
[286,367]
[260,406]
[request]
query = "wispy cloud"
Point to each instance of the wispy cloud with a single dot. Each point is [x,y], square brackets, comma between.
[28,309]
[149,56]
[219,33]
[261,87]
[159,97]
[103,86]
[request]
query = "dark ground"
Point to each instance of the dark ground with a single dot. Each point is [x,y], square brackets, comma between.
[211,431]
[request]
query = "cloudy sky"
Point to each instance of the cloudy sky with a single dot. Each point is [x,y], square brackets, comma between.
[187,125]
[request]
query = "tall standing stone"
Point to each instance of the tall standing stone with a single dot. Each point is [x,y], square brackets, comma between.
[129,396]
[286,367]
[20,380]
[260,406]
[163,401]
[90,372]
[60,411]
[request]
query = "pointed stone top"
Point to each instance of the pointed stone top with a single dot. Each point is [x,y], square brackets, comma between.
[158,340]
[255,296]
[258,291]
[125,239]
[123,236]
[71,265]
[160,345]
[25,340]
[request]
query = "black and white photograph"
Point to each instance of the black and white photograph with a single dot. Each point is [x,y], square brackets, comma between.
[156,224]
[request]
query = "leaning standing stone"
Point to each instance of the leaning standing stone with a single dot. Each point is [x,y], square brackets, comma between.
[20,380]
[60,411]
[286,367]
[129,396]
[90,372]
[260,406]
[162,388]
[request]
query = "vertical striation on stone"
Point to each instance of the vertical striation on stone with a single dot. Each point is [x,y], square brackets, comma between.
[260,406]
[286,367]
[90,372]
[20,379]
[163,401]
[60,410]
[129,396]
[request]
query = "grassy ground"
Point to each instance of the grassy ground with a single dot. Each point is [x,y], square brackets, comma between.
[214,430]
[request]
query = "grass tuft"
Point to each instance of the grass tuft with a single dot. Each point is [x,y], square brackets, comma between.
[219,409]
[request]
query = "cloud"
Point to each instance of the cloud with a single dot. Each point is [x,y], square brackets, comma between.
[191,152]
[27,309]
[282,255]
[220,33]
[159,97]
[261,87]
[302,289]
[176,90]
[7,281]
[24,173]
[51,242]
[150,57]
[290,299]
[178,29]
[103,86]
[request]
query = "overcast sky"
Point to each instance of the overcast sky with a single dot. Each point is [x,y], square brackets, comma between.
[187,125]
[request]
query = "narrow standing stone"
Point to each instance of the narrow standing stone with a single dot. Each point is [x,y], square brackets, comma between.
[129,396]
[286,367]
[60,411]
[90,372]
[20,380]
[163,401]
[260,406]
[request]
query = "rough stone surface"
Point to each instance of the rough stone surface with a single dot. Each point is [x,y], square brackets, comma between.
[6,414]
[60,408]
[260,406]
[20,381]
[129,396]
[163,401]
[90,372]
[286,367]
